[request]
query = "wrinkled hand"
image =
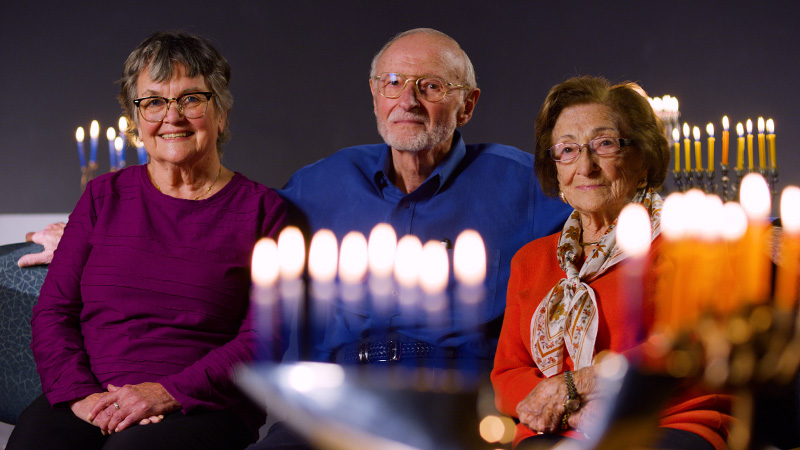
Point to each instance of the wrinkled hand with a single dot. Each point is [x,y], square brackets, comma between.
[541,410]
[49,238]
[140,403]
[82,407]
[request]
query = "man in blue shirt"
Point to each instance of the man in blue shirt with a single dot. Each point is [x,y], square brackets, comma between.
[425,181]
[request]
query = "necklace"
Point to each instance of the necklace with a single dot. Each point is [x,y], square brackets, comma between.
[219,172]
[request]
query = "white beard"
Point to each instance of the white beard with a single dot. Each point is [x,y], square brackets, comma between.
[421,141]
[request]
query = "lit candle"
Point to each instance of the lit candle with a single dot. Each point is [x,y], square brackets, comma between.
[697,151]
[322,264]
[140,151]
[381,251]
[264,298]
[79,135]
[773,163]
[406,272]
[673,228]
[735,220]
[740,146]
[122,123]
[676,139]
[686,147]
[725,140]
[786,286]
[433,278]
[94,133]
[111,134]
[469,267]
[762,151]
[710,131]
[657,104]
[750,162]
[118,146]
[353,266]
[292,257]
[633,238]
[755,199]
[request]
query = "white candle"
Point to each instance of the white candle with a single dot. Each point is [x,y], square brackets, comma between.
[469,267]
[381,250]
[292,257]
[322,263]
[433,278]
[406,272]
[264,270]
[353,266]
[94,133]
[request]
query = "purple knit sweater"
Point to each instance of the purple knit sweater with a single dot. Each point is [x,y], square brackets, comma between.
[147,287]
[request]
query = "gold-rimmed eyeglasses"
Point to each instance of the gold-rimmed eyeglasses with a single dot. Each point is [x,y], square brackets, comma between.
[192,105]
[429,88]
[567,152]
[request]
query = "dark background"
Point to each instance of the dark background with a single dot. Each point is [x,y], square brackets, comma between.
[300,73]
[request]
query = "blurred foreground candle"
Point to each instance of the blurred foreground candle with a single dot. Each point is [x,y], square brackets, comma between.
[633,237]
[687,147]
[676,139]
[119,146]
[111,134]
[433,279]
[79,136]
[381,251]
[670,300]
[725,140]
[773,163]
[710,131]
[353,267]
[762,151]
[406,272]
[322,263]
[469,267]
[735,227]
[264,298]
[740,146]
[755,199]
[750,162]
[698,156]
[292,257]
[94,133]
[786,287]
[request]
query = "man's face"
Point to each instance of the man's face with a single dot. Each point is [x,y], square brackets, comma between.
[409,123]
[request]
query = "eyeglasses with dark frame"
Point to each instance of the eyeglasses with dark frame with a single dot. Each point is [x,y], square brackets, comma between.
[430,88]
[567,152]
[192,105]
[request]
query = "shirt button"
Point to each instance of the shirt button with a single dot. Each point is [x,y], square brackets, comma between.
[405,205]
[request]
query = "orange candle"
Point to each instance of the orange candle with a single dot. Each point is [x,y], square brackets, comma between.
[762,151]
[676,138]
[686,147]
[773,163]
[786,284]
[740,146]
[710,131]
[698,157]
[725,139]
[755,198]
[750,162]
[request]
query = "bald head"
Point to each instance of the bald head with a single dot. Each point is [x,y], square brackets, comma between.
[447,47]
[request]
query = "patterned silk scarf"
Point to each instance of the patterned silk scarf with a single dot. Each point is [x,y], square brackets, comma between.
[567,316]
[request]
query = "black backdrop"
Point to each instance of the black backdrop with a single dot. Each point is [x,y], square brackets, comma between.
[300,72]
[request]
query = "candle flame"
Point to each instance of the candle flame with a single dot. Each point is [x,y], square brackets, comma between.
[755,196]
[673,216]
[725,123]
[265,265]
[111,133]
[118,144]
[674,104]
[740,129]
[686,130]
[790,209]
[79,134]
[322,256]
[696,133]
[292,252]
[658,104]
[760,124]
[469,258]
[382,248]
[694,203]
[123,125]
[406,267]
[711,224]
[435,268]
[353,258]
[633,230]
[94,129]
[749,126]
[710,129]
[676,134]
[770,126]
[735,220]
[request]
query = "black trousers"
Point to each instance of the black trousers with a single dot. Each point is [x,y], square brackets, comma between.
[42,427]
[668,439]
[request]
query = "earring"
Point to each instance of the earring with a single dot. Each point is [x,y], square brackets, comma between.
[561,196]
[642,184]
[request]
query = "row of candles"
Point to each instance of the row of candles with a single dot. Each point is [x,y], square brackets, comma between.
[689,132]
[383,275]
[116,146]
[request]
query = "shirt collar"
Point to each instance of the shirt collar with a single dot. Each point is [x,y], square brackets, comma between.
[443,172]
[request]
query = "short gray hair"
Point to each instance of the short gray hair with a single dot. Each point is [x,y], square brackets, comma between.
[161,51]
[468,71]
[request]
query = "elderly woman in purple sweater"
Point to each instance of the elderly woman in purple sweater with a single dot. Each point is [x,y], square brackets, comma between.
[144,311]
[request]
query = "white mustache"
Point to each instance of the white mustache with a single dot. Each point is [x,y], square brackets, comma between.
[403,115]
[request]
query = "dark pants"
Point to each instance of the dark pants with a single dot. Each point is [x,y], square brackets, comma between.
[281,437]
[668,439]
[42,427]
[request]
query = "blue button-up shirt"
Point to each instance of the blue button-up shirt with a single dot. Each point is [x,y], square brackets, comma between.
[490,188]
